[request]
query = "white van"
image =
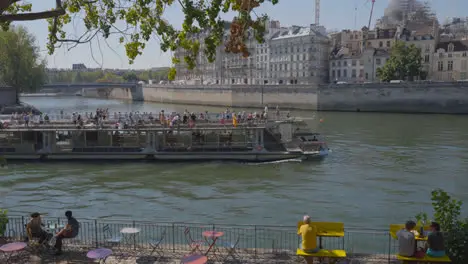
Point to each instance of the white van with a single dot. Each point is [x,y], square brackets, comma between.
[397,81]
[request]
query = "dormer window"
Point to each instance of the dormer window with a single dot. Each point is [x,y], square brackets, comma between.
[450,47]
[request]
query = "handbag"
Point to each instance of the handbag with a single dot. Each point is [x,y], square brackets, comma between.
[420,253]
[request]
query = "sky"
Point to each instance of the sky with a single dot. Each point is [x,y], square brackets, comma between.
[334,15]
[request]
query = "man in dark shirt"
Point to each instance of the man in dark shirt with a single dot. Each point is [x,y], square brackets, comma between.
[71,230]
[435,242]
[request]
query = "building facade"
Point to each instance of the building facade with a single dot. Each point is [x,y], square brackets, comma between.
[298,55]
[450,61]
[294,55]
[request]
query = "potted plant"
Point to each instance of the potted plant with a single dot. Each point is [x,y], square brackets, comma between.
[3,226]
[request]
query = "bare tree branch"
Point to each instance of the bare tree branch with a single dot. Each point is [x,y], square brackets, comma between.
[58,11]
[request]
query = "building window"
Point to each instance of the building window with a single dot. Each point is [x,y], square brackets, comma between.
[338,73]
[351,37]
[339,64]
[449,55]
[353,73]
[450,47]
[333,74]
[463,65]
[441,55]
[450,66]
[464,54]
[388,44]
[440,66]
[353,62]
[426,58]
[333,64]
[463,75]
[381,44]
[367,76]
[345,63]
[345,73]
[377,61]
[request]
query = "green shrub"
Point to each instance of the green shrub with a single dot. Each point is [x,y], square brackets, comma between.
[3,222]
[447,212]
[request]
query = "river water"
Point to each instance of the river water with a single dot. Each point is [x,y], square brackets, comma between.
[381,170]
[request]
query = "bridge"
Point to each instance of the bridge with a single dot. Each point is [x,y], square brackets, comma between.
[71,88]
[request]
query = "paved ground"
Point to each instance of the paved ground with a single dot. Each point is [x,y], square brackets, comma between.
[78,255]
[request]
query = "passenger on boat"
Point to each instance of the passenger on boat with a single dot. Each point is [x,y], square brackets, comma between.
[71,230]
[26,120]
[308,233]
[34,229]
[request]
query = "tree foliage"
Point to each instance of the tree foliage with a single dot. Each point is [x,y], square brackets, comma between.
[20,65]
[3,221]
[106,75]
[143,18]
[405,63]
[447,212]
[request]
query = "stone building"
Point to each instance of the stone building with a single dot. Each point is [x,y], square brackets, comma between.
[299,55]
[450,61]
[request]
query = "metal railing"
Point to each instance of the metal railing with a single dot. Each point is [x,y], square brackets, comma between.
[252,238]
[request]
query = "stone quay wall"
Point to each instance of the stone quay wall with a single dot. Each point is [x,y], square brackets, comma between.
[299,97]
[427,97]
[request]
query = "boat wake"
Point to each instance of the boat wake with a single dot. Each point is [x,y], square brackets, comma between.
[274,162]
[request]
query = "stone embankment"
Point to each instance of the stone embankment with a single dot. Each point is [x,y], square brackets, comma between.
[448,98]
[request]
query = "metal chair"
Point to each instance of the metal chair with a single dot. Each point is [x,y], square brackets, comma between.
[110,239]
[232,250]
[155,245]
[195,245]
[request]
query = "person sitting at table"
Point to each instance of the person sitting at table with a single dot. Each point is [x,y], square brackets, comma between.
[71,230]
[34,230]
[406,240]
[435,242]
[308,233]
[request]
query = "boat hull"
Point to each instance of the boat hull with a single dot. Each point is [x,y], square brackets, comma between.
[168,156]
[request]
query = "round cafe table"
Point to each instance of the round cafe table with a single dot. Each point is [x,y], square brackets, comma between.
[194,259]
[214,235]
[130,235]
[9,249]
[100,254]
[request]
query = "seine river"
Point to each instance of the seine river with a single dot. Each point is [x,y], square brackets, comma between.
[381,171]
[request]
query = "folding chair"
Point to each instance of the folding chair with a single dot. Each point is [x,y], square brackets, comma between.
[231,249]
[110,239]
[195,245]
[155,244]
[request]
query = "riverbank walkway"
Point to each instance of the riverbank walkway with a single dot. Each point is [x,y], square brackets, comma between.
[148,242]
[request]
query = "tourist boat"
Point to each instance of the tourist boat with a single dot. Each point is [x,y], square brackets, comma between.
[261,141]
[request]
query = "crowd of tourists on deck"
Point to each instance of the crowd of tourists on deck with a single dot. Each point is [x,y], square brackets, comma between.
[36,229]
[130,119]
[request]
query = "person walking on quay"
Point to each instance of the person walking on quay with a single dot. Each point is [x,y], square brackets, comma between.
[71,230]
[406,240]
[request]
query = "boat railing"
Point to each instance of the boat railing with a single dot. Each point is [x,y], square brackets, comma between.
[68,117]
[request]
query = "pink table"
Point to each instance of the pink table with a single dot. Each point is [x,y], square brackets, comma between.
[214,235]
[100,254]
[194,259]
[9,249]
